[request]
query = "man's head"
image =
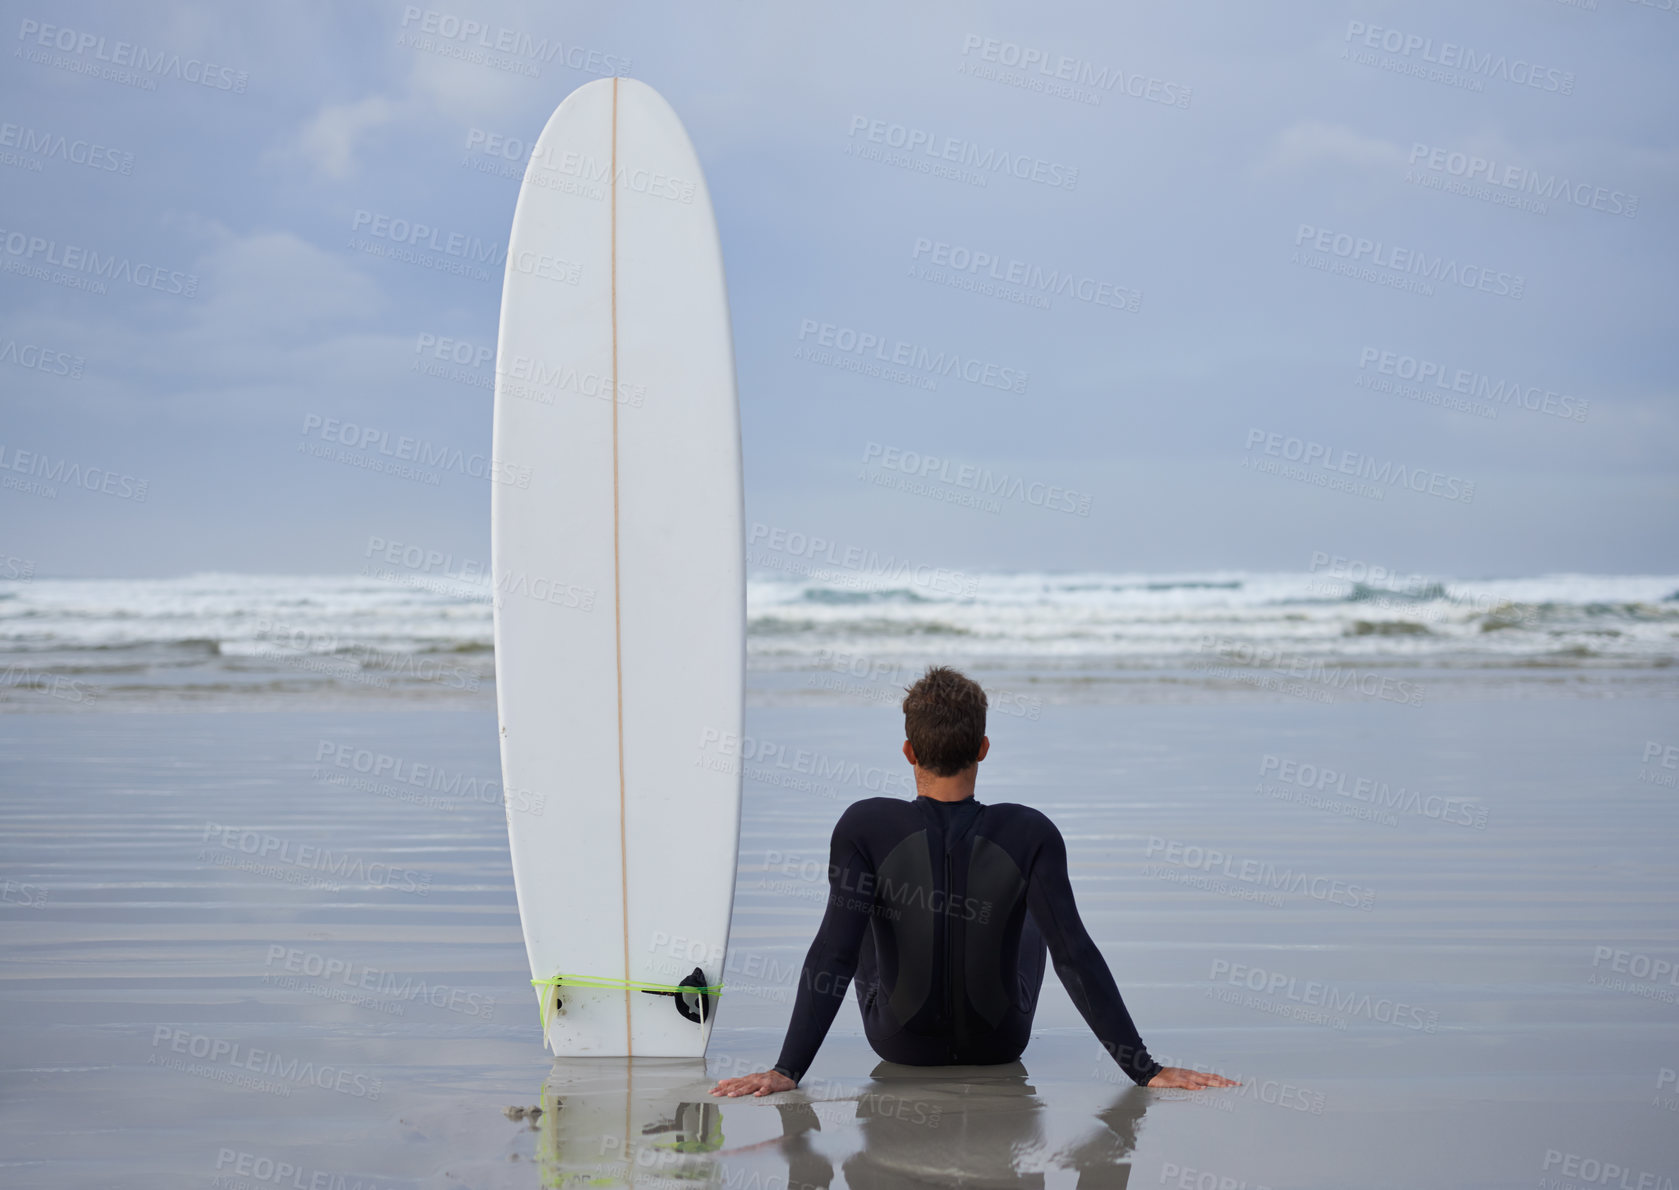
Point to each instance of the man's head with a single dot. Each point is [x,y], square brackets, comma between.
[944,721]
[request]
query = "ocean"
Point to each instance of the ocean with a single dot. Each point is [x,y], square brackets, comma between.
[414,635]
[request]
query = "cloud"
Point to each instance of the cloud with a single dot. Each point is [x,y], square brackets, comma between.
[279,322]
[1307,142]
[329,141]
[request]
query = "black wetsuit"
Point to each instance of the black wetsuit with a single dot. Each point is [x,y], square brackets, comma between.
[942,911]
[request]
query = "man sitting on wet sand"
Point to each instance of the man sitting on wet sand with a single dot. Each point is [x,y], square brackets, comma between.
[943,908]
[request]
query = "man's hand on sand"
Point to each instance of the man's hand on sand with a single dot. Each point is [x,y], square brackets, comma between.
[767,1083]
[1178,1078]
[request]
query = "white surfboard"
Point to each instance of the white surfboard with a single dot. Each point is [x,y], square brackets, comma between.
[617,557]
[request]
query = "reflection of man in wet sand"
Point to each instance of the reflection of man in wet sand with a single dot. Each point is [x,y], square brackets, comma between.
[982,1127]
[973,1126]
[943,910]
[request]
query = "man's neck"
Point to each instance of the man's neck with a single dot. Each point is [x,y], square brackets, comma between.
[957,788]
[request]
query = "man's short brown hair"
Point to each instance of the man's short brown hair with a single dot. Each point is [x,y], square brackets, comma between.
[944,720]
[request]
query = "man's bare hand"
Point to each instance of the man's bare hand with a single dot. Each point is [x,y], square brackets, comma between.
[1178,1078]
[767,1083]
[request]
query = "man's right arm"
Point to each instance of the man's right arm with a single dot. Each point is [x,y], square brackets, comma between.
[1079,962]
[1085,975]
[832,959]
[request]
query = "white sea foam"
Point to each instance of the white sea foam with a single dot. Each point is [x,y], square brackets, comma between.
[1150,621]
[422,633]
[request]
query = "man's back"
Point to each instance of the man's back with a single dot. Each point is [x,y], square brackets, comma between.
[943,911]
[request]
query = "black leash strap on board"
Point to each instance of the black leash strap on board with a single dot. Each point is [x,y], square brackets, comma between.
[695,1005]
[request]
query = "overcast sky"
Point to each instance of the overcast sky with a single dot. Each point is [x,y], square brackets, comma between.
[1496,183]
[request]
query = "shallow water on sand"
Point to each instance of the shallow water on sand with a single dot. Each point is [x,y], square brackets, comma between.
[1446,962]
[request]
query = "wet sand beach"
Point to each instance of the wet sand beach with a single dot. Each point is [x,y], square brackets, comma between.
[1435,943]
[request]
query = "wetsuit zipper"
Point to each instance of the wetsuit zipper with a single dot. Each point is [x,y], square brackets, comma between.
[949,972]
